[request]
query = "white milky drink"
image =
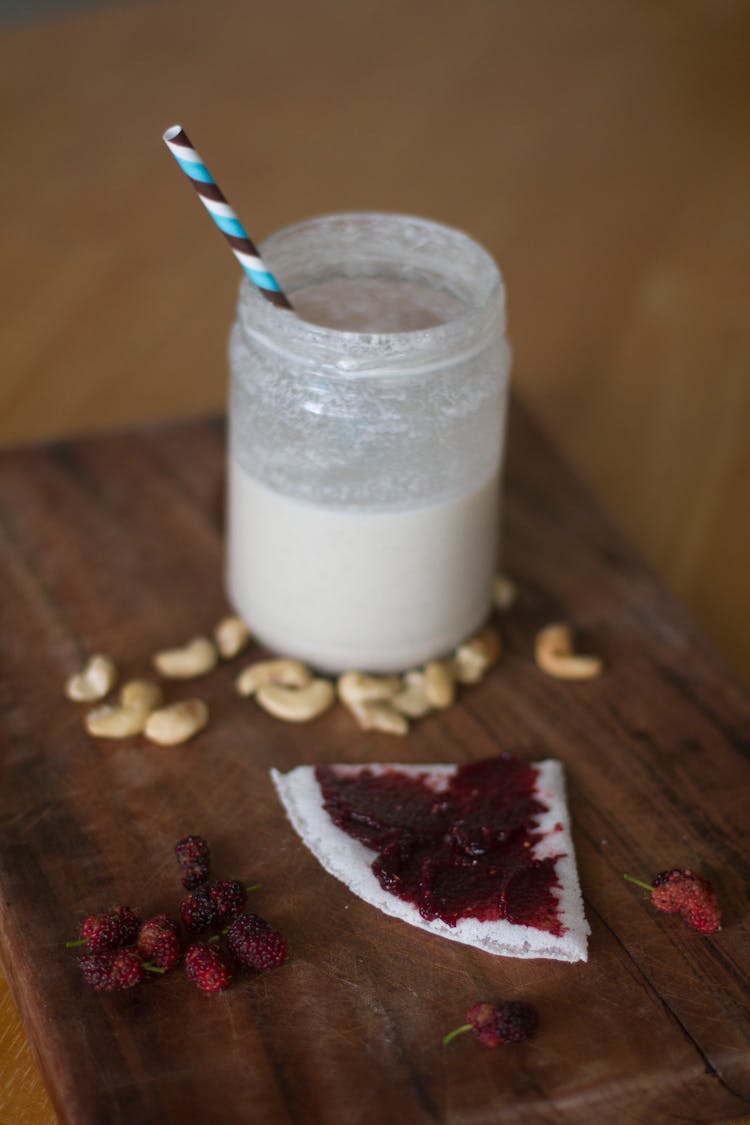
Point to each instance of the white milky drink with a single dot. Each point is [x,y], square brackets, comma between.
[345,589]
[366,439]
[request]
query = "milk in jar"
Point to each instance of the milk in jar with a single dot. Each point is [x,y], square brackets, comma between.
[366,440]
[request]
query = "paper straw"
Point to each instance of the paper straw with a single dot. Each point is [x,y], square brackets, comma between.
[212,198]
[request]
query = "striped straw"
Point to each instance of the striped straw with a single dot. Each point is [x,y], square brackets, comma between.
[212,198]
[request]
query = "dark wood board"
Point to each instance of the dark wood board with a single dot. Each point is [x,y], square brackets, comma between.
[114,544]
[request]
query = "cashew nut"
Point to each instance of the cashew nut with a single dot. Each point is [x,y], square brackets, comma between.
[505,593]
[439,684]
[169,726]
[379,714]
[111,721]
[472,658]
[143,695]
[412,700]
[231,636]
[97,677]
[192,659]
[296,704]
[555,655]
[138,699]
[288,673]
[358,687]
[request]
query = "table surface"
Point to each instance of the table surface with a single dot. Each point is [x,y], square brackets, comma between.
[114,544]
[599,149]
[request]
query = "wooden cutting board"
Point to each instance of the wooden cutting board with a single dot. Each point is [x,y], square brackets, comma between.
[114,544]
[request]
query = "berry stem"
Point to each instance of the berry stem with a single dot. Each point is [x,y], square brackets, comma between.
[73,944]
[153,968]
[254,887]
[456,1031]
[639,883]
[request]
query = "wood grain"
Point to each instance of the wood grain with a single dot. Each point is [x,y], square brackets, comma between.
[114,544]
[598,148]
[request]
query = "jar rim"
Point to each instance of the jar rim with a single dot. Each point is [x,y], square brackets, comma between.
[345,352]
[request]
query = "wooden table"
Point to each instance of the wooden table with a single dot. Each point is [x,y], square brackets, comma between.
[598,149]
[114,544]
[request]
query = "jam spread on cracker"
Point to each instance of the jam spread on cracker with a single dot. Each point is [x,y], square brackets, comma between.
[460,846]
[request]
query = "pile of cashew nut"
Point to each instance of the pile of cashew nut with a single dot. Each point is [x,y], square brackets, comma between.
[140,707]
[290,691]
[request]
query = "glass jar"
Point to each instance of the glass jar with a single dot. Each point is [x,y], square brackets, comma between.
[365,442]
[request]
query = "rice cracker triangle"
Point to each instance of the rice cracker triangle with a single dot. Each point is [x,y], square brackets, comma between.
[480,853]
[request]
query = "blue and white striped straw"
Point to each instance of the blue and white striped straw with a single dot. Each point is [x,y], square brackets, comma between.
[213,200]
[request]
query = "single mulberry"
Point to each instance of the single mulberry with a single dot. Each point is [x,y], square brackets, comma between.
[508,1021]
[687,894]
[194,858]
[256,944]
[207,968]
[116,928]
[108,970]
[159,943]
[199,911]
[229,898]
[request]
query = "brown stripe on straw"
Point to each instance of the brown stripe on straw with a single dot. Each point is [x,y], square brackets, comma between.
[208,191]
[242,244]
[181,138]
[276,297]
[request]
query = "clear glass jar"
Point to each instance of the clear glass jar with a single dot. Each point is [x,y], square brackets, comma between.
[365,449]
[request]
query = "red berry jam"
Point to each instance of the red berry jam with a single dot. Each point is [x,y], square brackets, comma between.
[456,847]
